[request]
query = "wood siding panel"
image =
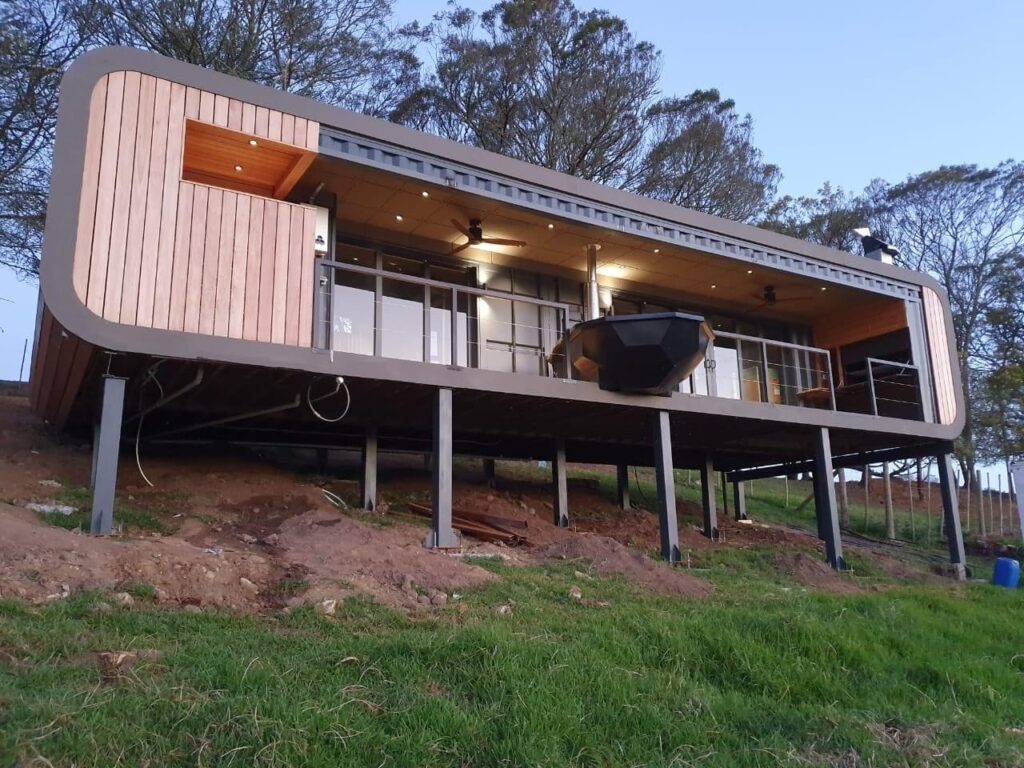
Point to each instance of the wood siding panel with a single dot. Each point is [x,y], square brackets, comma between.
[942,366]
[169,219]
[90,188]
[254,260]
[105,194]
[138,207]
[239,257]
[207,295]
[154,204]
[222,306]
[157,251]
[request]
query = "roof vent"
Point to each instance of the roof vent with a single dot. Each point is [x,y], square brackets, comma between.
[875,249]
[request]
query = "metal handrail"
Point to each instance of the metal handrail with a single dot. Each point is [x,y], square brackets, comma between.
[869,363]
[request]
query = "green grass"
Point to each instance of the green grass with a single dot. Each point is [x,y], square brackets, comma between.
[761,674]
[130,515]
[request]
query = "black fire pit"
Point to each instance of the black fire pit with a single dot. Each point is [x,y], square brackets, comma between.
[645,354]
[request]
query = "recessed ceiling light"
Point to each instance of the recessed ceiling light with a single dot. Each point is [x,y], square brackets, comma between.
[824,287]
[238,168]
[425,193]
[551,226]
[750,271]
[713,286]
[355,258]
[252,142]
[398,217]
[657,250]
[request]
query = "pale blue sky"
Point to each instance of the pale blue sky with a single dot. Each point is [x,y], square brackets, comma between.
[844,92]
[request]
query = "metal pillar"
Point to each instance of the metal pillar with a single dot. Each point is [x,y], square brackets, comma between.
[490,472]
[739,498]
[368,489]
[825,500]
[951,513]
[593,293]
[95,455]
[622,478]
[561,485]
[441,534]
[725,493]
[105,450]
[666,482]
[707,495]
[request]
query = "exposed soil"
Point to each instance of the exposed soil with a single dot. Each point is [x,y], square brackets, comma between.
[250,532]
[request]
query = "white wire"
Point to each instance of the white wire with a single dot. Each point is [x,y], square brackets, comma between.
[339,384]
[150,374]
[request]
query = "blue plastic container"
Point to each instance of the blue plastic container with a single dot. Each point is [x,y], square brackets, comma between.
[1006,573]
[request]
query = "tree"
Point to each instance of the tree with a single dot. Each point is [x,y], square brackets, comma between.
[38,39]
[701,155]
[828,219]
[343,52]
[544,82]
[965,226]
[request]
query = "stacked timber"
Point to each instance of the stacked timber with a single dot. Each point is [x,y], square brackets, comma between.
[481,525]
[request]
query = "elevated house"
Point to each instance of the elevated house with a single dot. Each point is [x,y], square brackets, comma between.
[225,262]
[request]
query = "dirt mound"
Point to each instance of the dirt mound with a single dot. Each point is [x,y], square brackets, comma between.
[611,558]
[40,562]
[809,571]
[344,556]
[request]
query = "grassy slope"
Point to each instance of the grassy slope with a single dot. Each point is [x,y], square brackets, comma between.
[762,674]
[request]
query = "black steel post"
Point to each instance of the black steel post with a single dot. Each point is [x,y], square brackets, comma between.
[951,516]
[561,485]
[739,498]
[707,495]
[825,500]
[665,479]
[441,534]
[369,474]
[106,447]
[622,480]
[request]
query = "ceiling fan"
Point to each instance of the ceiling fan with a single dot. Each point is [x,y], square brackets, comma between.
[475,234]
[769,298]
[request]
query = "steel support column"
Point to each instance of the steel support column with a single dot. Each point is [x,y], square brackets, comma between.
[739,498]
[368,489]
[622,481]
[106,449]
[951,513]
[441,534]
[561,485]
[490,472]
[666,482]
[825,500]
[707,495]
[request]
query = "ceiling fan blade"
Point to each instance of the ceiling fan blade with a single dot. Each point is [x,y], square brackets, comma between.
[504,241]
[460,248]
[461,227]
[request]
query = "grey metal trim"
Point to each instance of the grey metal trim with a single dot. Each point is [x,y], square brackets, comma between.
[67,308]
[560,485]
[441,535]
[951,514]
[739,499]
[921,356]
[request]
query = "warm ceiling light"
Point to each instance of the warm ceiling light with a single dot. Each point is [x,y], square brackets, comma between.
[252,142]
[824,287]
[238,168]
[398,217]
[551,226]
[425,193]
[750,271]
[713,286]
[657,250]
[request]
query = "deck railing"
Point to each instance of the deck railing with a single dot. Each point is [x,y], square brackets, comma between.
[391,314]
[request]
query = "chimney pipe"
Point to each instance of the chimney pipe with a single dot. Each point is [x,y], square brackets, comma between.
[593,299]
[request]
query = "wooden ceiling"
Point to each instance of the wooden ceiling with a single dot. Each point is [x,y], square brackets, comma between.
[242,162]
[371,201]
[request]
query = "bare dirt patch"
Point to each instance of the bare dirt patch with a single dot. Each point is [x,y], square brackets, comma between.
[810,571]
[612,558]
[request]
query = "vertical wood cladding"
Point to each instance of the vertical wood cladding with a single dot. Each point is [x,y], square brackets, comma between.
[156,251]
[938,347]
